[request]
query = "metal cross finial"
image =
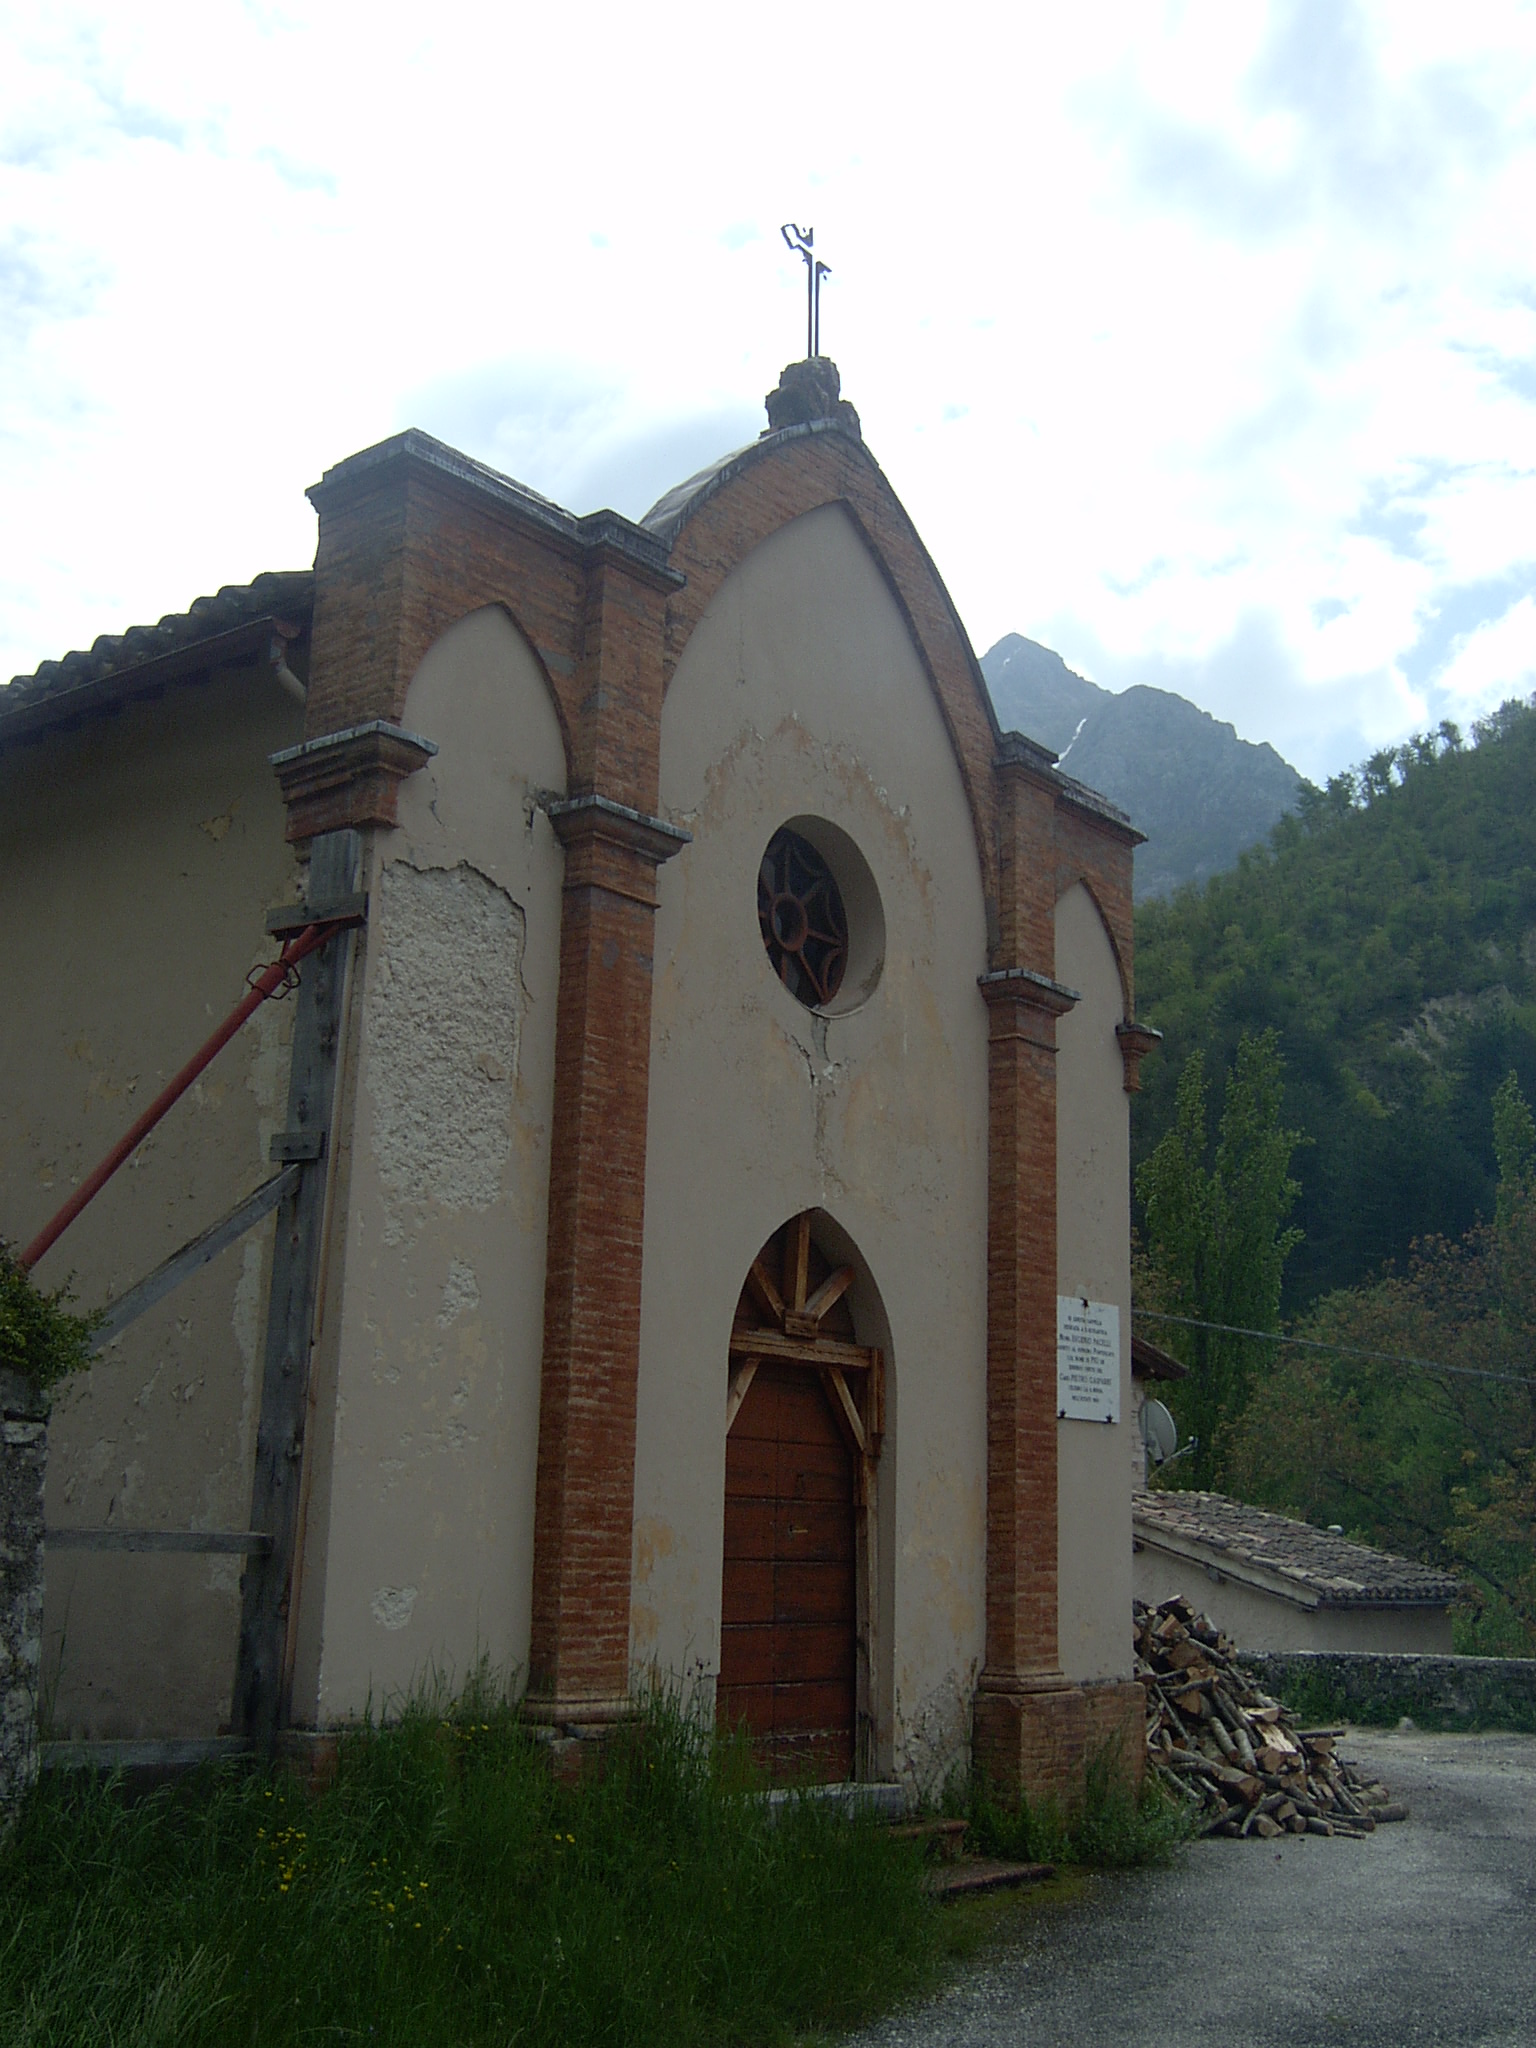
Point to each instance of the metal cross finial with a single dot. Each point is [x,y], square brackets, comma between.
[803,242]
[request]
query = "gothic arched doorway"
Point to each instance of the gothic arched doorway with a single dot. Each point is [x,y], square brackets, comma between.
[804,1420]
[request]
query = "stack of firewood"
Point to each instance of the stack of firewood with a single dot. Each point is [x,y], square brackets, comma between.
[1233,1754]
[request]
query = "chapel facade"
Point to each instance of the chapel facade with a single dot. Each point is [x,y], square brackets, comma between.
[719,1090]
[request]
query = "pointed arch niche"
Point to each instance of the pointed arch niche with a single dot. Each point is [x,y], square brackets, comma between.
[428,1481]
[805,1429]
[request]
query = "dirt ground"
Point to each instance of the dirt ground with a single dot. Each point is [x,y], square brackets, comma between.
[1423,1933]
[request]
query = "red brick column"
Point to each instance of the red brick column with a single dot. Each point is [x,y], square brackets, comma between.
[584,1504]
[1030,1721]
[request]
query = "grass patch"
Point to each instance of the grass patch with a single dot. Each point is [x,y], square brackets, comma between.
[446,1890]
[1110,1828]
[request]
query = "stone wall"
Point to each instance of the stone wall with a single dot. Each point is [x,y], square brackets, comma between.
[23,1452]
[1437,1692]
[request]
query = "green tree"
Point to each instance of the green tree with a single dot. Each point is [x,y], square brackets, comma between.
[1432,1459]
[1385,934]
[1217,1239]
[1514,1147]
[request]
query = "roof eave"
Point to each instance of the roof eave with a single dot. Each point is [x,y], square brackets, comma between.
[60,709]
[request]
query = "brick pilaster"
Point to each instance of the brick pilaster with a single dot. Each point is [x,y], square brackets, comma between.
[584,1504]
[1021,1329]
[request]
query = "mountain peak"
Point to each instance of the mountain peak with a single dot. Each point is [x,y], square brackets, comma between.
[1199,792]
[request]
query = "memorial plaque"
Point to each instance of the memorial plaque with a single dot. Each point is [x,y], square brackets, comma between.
[1087,1359]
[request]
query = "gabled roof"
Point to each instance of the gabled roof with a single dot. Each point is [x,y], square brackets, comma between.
[667,515]
[1312,1567]
[1148,1362]
[225,628]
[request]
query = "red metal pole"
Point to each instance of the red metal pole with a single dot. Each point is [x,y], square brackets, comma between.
[313,935]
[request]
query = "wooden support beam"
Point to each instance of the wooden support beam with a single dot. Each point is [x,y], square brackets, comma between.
[874,1403]
[845,1408]
[768,1297]
[831,1290]
[797,1256]
[194,1542]
[181,1265]
[260,1704]
[817,1351]
[741,1384]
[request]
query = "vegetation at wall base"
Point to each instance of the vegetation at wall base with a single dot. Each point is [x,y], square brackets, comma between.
[447,1889]
[40,1337]
[1110,1828]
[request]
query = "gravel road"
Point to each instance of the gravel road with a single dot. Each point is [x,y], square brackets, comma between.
[1424,1933]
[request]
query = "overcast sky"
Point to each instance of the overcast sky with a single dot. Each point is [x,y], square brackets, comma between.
[1198,339]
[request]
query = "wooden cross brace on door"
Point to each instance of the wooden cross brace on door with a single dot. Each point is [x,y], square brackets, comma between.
[793,1335]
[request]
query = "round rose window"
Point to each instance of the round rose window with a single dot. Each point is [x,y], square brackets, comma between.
[804,924]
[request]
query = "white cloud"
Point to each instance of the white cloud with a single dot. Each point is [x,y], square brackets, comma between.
[1496,661]
[1201,336]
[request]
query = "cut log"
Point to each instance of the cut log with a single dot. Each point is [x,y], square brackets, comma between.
[1231,1754]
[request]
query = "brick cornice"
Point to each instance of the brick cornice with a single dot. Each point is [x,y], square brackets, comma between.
[434,462]
[1136,1041]
[610,846]
[348,778]
[1024,985]
[1024,1005]
[1018,754]
[1020,1684]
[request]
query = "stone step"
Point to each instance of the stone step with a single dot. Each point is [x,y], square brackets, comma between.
[945,1838]
[984,1874]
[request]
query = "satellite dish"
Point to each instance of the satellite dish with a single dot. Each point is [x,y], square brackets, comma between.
[1159,1432]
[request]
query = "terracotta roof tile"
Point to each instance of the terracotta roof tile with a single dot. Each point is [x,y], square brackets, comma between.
[280,595]
[1334,1570]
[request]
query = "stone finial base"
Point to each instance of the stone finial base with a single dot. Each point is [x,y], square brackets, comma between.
[808,392]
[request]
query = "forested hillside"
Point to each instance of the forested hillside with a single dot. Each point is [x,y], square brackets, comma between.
[1388,934]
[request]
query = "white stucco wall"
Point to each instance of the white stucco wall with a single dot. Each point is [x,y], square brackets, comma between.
[139,856]
[419,1526]
[1259,1620]
[799,693]
[1093,1223]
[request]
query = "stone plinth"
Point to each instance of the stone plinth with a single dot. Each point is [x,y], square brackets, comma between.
[1039,1740]
[23,1454]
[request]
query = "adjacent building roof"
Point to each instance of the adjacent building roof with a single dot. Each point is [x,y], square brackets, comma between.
[1312,1567]
[228,627]
[1149,1362]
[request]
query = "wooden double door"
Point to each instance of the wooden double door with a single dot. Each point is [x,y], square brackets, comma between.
[789,1635]
[798,1478]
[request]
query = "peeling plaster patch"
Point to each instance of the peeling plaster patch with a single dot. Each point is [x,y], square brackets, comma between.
[644,1626]
[445,1006]
[933,1739]
[461,1291]
[654,1538]
[391,1605]
[216,828]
